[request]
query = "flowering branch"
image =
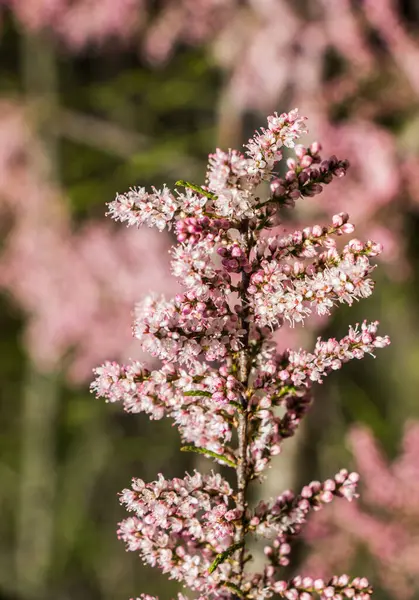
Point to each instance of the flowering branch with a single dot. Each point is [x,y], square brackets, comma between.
[234,398]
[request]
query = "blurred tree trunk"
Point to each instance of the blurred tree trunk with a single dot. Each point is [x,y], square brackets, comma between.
[37,478]
[35,508]
[229,120]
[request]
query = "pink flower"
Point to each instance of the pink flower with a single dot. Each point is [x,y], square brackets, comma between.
[222,376]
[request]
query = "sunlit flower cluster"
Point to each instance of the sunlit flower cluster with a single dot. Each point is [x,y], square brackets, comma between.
[180,525]
[232,395]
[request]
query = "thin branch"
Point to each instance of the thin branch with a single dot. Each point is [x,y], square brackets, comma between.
[98,133]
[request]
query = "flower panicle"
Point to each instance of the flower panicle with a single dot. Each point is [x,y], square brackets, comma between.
[222,377]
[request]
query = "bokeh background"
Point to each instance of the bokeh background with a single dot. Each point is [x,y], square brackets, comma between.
[100,95]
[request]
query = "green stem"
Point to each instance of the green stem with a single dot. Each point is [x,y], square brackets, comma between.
[220,558]
[195,188]
[206,452]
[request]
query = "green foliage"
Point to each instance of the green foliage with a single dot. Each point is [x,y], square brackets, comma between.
[207,452]
[223,556]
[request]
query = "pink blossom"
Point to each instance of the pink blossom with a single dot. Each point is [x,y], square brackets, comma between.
[222,375]
[67,282]
[179,525]
[385,524]
[81,22]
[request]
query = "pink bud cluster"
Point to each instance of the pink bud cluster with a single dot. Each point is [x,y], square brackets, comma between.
[305,243]
[330,355]
[285,517]
[234,258]
[193,229]
[306,174]
[222,378]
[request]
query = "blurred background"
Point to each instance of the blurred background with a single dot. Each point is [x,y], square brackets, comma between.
[100,95]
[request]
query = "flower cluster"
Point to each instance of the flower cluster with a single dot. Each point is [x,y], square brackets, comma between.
[182,329]
[180,526]
[280,289]
[233,396]
[265,147]
[155,209]
[306,174]
[288,511]
[330,355]
[198,400]
[338,587]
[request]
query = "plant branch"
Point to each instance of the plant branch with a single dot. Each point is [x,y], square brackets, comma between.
[243,416]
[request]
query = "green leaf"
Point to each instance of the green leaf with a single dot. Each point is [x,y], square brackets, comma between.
[198,393]
[195,188]
[236,404]
[220,558]
[199,450]
[235,588]
[288,389]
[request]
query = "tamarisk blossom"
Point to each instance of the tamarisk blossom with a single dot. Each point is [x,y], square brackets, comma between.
[233,396]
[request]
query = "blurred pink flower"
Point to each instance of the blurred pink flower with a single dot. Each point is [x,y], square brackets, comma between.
[82,22]
[386,524]
[69,283]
